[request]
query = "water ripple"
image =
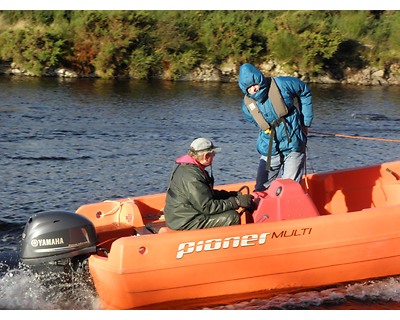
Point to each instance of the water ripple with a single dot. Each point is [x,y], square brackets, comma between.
[90,141]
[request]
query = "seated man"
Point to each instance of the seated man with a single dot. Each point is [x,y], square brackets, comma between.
[192,202]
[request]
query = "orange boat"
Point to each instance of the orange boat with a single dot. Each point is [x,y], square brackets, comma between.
[334,227]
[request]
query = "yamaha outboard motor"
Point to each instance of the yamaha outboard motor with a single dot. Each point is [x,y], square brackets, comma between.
[58,241]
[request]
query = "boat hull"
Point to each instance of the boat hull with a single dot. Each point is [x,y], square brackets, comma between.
[186,269]
[294,256]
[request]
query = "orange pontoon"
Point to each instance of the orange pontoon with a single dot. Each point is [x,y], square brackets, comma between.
[335,227]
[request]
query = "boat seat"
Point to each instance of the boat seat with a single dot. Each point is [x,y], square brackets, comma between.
[284,200]
[140,231]
[154,227]
[159,227]
[166,230]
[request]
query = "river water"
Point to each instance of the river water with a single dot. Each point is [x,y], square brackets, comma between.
[67,142]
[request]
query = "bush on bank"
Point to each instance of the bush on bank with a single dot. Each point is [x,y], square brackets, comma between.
[170,44]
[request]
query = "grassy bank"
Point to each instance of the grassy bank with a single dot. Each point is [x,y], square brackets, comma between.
[142,44]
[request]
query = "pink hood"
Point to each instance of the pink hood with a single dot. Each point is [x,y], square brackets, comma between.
[186,159]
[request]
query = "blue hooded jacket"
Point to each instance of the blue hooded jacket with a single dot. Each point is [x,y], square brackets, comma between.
[291,88]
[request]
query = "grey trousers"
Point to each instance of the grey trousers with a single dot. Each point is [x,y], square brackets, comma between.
[223,219]
[290,166]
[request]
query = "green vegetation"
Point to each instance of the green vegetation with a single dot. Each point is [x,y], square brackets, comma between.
[142,44]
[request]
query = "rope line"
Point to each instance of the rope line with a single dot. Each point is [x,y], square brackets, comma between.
[354,137]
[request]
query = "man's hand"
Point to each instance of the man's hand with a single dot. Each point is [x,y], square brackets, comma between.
[245,200]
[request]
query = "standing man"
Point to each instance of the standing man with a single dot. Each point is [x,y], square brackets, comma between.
[269,104]
[192,202]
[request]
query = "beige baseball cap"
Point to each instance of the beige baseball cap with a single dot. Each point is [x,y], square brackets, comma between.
[203,144]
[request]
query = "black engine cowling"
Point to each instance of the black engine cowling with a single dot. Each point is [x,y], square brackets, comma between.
[57,235]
